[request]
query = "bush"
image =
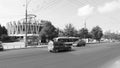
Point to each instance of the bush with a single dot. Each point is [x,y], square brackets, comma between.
[6,38]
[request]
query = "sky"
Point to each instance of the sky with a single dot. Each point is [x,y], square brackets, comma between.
[103,13]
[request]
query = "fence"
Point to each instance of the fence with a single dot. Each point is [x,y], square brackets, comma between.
[18,45]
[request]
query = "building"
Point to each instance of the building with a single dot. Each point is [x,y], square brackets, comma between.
[17,28]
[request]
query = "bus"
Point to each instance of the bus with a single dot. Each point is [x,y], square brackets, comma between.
[61,43]
[67,40]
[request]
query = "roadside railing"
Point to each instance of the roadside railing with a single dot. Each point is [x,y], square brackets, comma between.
[18,45]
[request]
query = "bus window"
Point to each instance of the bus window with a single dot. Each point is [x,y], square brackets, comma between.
[67,39]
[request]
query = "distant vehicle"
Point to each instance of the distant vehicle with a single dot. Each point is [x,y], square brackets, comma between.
[1,46]
[79,43]
[61,43]
[32,40]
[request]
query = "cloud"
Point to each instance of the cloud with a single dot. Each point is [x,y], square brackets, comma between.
[86,10]
[109,7]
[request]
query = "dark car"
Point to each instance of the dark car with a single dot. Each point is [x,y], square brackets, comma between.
[1,46]
[79,43]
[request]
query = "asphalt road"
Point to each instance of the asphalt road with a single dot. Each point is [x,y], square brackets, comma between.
[91,56]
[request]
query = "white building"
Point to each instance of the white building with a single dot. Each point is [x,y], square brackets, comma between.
[17,28]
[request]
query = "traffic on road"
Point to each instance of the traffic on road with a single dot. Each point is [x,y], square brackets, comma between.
[91,56]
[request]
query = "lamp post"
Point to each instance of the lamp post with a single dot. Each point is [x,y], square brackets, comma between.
[84,28]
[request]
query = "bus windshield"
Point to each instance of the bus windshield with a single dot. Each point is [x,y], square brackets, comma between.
[67,39]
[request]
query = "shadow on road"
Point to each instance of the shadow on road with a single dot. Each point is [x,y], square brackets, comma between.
[64,51]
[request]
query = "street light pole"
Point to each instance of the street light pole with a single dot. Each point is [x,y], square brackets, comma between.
[84,27]
[26,6]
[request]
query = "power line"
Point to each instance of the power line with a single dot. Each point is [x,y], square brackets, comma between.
[51,3]
[78,2]
[48,4]
[82,2]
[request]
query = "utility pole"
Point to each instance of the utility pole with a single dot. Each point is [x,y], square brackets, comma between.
[84,27]
[85,23]
[26,6]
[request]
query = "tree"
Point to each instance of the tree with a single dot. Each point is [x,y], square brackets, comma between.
[83,33]
[111,35]
[97,33]
[4,30]
[3,34]
[0,30]
[48,31]
[89,35]
[60,32]
[70,30]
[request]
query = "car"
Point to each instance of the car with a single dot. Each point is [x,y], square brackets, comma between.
[1,46]
[79,43]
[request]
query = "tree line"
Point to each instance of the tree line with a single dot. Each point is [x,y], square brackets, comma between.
[111,35]
[49,32]
[95,33]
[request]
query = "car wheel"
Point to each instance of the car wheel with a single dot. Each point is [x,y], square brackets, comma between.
[70,49]
[78,45]
[83,44]
[50,50]
[1,49]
